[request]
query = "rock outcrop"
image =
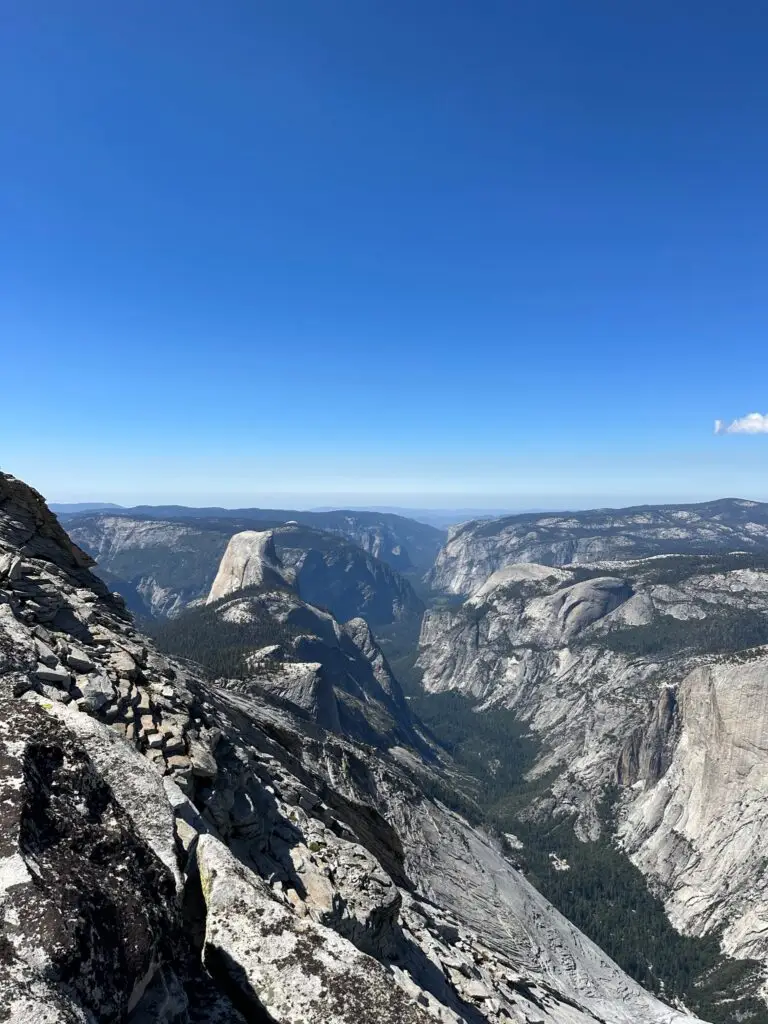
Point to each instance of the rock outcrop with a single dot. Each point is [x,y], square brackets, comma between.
[476,549]
[335,672]
[249,561]
[181,852]
[344,578]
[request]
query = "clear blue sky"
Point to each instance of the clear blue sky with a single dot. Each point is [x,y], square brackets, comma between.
[416,251]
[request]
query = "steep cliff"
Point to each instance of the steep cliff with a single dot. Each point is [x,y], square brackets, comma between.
[650,676]
[249,561]
[698,824]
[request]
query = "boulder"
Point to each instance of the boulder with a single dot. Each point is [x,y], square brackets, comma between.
[79,660]
[59,676]
[292,969]
[95,690]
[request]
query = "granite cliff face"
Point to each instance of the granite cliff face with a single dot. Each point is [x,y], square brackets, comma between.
[164,566]
[249,561]
[173,850]
[474,550]
[698,829]
[404,544]
[335,672]
[650,676]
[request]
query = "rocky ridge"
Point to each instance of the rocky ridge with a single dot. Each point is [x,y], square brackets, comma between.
[475,550]
[152,821]
[334,671]
[650,676]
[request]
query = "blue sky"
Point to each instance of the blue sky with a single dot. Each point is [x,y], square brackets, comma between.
[424,252]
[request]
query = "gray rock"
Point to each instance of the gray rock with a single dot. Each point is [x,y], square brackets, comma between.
[53,693]
[124,664]
[10,567]
[174,745]
[79,661]
[475,550]
[95,691]
[290,967]
[71,952]
[164,1001]
[250,560]
[45,654]
[202,760]
[59,676]
[305,685]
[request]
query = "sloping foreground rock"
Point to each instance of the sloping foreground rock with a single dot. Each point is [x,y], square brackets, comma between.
[88,882]
[173,852]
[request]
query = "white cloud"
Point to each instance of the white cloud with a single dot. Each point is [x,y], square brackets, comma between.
[752,423]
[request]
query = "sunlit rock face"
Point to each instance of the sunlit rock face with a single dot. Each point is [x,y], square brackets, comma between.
[700,831]
[249,561]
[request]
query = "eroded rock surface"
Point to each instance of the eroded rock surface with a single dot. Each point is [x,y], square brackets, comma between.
[249,561]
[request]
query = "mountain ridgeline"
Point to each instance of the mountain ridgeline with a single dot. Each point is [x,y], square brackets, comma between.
[405,544]
[161,566]
[476,549]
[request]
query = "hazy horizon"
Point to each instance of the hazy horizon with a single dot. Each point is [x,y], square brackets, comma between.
[456,506]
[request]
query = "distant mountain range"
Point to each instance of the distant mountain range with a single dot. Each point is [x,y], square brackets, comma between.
[437,517]
[81,506]
[160,566]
